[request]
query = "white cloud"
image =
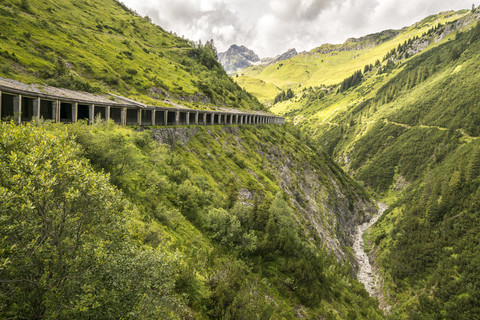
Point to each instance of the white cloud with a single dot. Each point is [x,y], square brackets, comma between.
[224,33]
[270,27]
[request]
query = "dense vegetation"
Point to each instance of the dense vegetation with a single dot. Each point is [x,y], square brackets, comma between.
[66,249]
[102,46]
[103,221]
[409,132]
[284,95]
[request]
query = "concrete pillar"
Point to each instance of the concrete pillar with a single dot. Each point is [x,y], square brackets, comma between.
[91,113]
[236,119]
[36,108]
[17,108]
[123,116]
[188,118]
[139,116]
[74,112]
[54,110]
[0,105]
[107,113]
[153,117]
[165,117]
[177,118]
[197,114]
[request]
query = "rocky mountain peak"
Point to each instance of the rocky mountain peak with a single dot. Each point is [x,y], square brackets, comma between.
[237,58]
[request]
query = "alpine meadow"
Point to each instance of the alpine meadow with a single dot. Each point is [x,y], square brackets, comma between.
[341,182]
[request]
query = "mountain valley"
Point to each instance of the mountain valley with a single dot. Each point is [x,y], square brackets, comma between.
[363,205]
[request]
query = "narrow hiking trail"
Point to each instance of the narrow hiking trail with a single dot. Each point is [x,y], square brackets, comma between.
[365,273]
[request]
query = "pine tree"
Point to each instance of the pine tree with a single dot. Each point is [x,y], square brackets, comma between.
[473,167]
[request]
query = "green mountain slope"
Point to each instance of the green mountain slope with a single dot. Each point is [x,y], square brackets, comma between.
[102,46]
[330,64]
[408,130]
[233,222]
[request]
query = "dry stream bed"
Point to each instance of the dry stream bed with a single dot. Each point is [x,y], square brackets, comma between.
[365,273]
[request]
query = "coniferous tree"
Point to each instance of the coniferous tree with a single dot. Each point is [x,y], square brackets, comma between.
[473,167]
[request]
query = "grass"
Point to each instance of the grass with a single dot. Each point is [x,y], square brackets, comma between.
[315,68]
[107,47]
[414,122]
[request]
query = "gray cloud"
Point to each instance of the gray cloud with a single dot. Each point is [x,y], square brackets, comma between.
[270,27]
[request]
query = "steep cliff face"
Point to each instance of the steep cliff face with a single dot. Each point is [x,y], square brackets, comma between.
[327,204]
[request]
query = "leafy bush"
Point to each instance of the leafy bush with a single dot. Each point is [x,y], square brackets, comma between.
[65,248]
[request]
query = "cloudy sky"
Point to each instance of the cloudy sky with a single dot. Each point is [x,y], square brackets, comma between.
[270,27]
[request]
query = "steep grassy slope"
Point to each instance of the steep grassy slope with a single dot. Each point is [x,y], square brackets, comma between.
[102,46]
[409,131]
[330,64]
[237,220]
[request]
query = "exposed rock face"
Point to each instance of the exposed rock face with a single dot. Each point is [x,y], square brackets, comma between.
[352,44]
[237,58]
[172,136]
[290,53]
[327,206]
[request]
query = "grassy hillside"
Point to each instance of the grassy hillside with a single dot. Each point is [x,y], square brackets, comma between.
[215,222]
[102,46]
[408,130]
[330,64]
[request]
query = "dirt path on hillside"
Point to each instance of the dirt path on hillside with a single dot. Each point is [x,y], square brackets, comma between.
[462,132]
[365,273]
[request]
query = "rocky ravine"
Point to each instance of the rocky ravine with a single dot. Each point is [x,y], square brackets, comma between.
[365,273]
